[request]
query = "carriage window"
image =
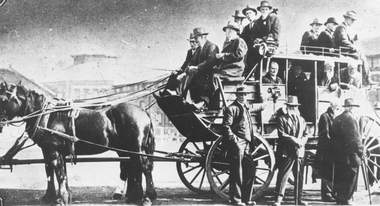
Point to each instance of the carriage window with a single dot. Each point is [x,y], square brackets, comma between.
[274,72]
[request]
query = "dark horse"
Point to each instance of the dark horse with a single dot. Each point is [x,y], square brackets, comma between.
[122,126]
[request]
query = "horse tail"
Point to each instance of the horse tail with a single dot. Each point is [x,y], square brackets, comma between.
[149,139]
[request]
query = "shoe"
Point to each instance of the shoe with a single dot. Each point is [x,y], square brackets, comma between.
[328,198]
[249,203]
[276,204]
[302,203]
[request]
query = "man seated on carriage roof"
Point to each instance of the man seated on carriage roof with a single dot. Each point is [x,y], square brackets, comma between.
[271,76]
[265,29]
[231,59]
[325,39]
[350,77]
[343,41]
[310,38]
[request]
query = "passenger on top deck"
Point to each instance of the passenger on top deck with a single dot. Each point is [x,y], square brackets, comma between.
[266,29]
[343,39]
[325,39]
[310,38]
[271,76]
[246,34]
[350,77]
[330,80]
[174,81]
[238,18]
[231,59]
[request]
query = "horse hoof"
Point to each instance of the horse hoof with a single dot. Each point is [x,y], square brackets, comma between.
[59,201]
[117,196]
[146,202]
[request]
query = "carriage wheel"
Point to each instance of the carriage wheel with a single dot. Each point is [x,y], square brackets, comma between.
[193,173]
[370,130]
[217,167]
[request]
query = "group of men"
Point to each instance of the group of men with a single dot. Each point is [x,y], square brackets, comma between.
[204,61]
[335,40]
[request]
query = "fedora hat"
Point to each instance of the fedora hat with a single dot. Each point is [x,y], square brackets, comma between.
[331,20]
[350,103]
[264,4]
[292,101]
[350,14]
[242,89]
[238,14]
[199,31]
[249,8]
[315,21]
[191,38]
[232,25]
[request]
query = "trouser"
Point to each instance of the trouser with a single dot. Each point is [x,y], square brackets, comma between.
[253,58]
[180,83]
[345,180]
[286,165]
[242,171]
[325,189]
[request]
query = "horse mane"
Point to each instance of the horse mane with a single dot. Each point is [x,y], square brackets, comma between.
[34,99]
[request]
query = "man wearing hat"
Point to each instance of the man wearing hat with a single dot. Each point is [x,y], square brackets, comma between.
[292,137]
[200,70]
[310,38]
[231,60]
[238,18]
[246,34]
[348,152]
[345,43]
[265,29]
[325,39]
[176,84]
[238,132]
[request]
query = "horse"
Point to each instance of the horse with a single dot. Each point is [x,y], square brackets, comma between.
[122,126]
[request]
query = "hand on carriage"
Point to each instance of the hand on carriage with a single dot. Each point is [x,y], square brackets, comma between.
[219,56]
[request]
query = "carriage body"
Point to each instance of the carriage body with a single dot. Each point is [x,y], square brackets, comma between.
[202,130]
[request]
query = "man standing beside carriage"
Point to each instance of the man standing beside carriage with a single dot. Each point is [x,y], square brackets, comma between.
[292,131]
[238,132]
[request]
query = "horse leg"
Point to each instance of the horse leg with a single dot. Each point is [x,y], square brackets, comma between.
[64,195]
[50,191]
[150,193]
[121,188]
[135,191]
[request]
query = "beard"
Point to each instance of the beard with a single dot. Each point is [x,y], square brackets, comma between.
[329,75]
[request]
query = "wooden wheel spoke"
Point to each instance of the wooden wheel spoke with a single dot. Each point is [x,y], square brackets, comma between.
[258,179]
[263,168]
[196,145]
[374,163]
[367,131]
[371,140]
[203,178]
[371,172]
[191,169]
[261,157]
[196,176]
[374,147]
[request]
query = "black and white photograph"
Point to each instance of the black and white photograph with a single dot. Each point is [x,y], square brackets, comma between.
[189,102]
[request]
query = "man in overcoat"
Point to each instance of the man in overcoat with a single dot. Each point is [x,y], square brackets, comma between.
[238,132]
[323,160]
[266,28]
[348,148]
[231,59]
[201,69]
[344,42]
[176,83]
[246,34]
[292,137]
[310,38]
[325,38]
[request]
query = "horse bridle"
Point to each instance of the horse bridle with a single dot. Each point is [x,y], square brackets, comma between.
[13,96]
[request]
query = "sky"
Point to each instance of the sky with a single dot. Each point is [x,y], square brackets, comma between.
[38,37]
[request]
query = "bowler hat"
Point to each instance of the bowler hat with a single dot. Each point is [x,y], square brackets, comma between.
[242,89]
[331,20]
[350,103]
[232,25]
[315,21]
[199,31]
[238,14]
[264,4]
[249,8]
[350,14]
[191,38]
[292,101]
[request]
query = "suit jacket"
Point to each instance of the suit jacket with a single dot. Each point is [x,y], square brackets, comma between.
[324,149]
[247,34]
[309,39]
[232,127]
[355,80]
[346,139]
[269,27]
[287,127]
[325,39]
[268,79]
[232,63]
[187,60]
[342,38]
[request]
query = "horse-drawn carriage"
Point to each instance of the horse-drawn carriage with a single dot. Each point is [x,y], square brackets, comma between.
[201,160]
